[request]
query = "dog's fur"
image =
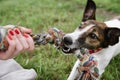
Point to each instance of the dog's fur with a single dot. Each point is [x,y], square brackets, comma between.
[92,34]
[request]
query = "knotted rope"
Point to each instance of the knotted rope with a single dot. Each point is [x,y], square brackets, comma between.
[87,69]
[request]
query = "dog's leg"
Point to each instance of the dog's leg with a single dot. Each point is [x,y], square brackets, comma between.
[74,71]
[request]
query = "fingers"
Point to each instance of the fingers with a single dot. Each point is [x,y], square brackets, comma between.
[11,48]
[25,30]
[21,39]
[29,41]
[25,41]
[17,43]
[7,54]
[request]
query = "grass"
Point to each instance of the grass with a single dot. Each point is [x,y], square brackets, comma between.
[39,15]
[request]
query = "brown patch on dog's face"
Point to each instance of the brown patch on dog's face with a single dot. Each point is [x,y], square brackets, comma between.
[94,37]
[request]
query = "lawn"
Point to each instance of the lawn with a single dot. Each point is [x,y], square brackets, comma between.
[39,15]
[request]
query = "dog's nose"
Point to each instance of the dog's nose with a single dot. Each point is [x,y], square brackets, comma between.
[67,40]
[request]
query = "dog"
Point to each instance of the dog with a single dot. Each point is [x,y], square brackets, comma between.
[93,35]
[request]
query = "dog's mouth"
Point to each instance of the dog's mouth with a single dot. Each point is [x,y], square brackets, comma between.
[67,49]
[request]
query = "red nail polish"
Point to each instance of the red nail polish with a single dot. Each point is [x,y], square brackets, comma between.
[11,32]
[26,35]
[17,31]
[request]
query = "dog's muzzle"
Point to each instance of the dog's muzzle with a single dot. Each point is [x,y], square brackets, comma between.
[67,41]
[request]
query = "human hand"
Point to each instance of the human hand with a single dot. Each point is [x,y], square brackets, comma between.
[18,41]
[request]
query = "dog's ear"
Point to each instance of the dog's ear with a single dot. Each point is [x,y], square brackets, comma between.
[89,13]
[112,35]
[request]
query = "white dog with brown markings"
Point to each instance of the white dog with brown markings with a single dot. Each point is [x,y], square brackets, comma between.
[93,35]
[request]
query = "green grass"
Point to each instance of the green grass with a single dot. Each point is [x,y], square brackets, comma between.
[110,5]
[39,15]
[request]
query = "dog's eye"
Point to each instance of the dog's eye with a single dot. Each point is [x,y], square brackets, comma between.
[93,36]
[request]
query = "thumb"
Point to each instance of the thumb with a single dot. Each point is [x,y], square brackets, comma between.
[25,30]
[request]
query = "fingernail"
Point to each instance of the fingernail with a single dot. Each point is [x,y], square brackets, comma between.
[26,35]
[11,32]
[17,31]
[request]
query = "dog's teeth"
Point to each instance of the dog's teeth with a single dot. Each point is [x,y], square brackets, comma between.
[66,50]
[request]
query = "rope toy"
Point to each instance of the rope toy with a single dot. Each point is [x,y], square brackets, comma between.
[52,36]
[88,66]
